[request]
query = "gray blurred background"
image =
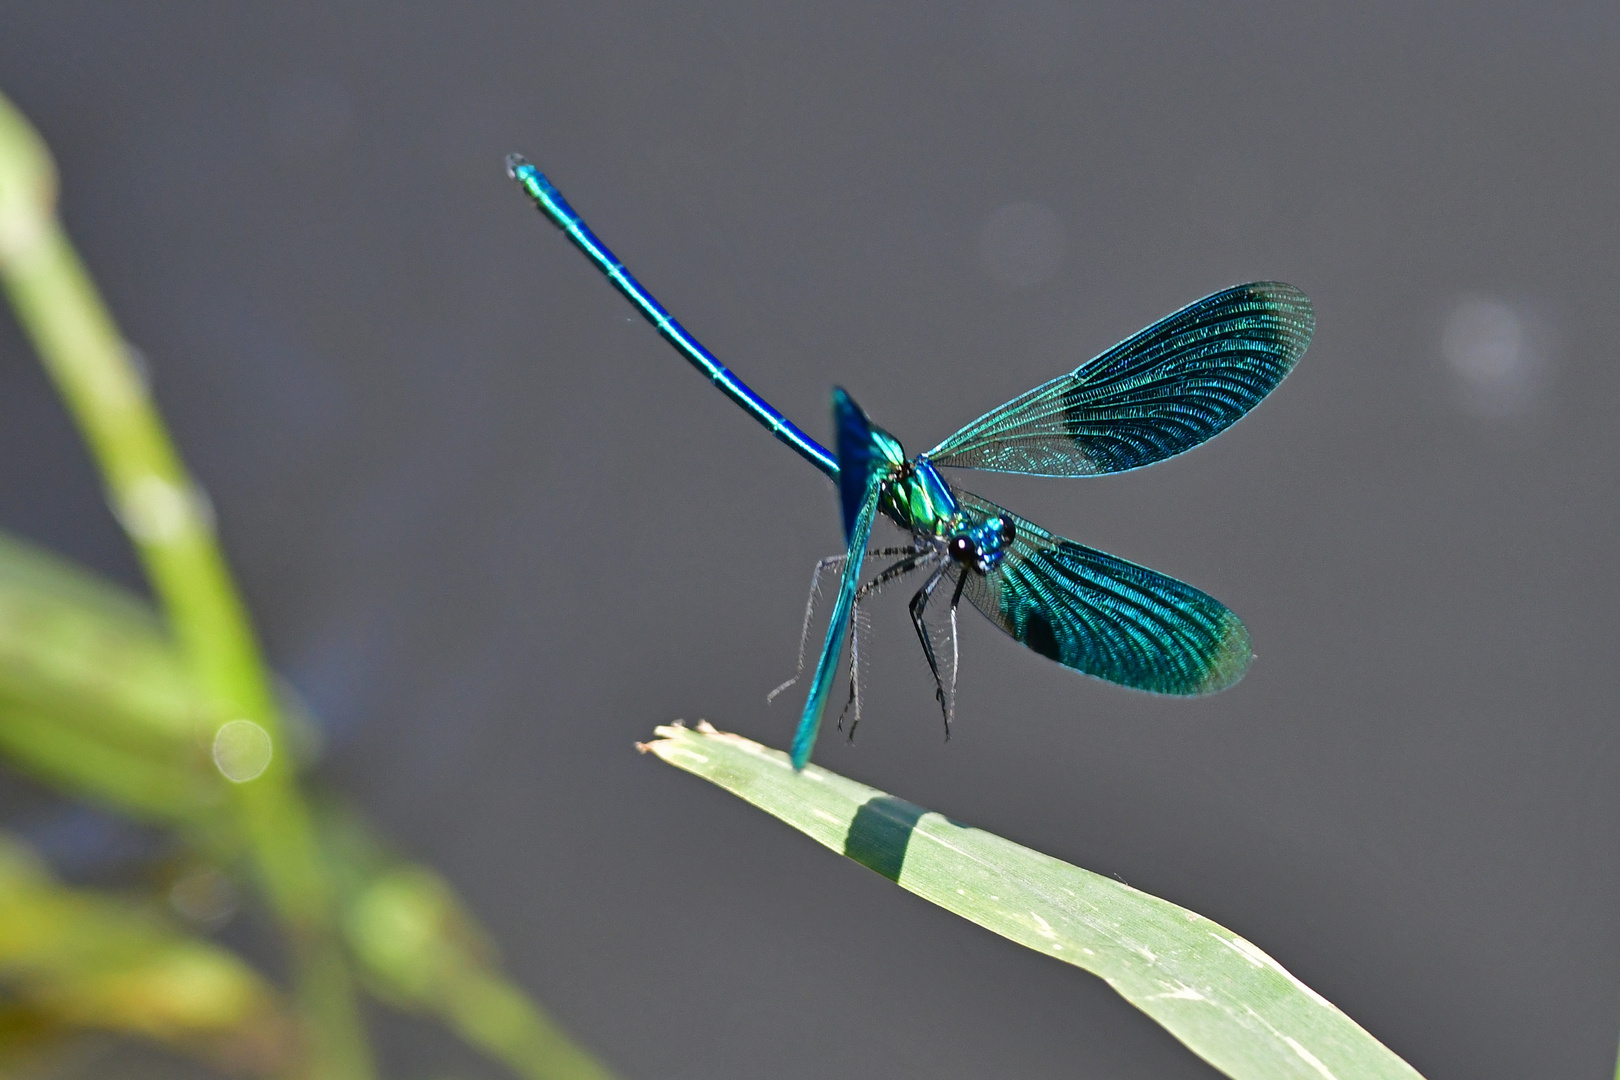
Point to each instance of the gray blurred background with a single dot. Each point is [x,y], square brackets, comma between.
[495,530]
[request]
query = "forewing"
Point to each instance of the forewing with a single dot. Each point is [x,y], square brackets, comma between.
[804,736]
[1107,617]
[1183,380]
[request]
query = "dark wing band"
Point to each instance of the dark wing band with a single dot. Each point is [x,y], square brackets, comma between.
[1107,617]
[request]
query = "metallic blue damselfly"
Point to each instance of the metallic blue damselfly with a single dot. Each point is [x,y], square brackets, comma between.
[1160,392]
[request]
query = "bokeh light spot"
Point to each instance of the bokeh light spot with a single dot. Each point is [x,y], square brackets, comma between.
[204,896]
[241,750]
[1491,351]
[156,511]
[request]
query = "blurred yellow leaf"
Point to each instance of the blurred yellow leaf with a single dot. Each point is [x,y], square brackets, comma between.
[90,960]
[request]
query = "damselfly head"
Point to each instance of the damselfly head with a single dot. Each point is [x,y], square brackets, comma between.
[981,545]
[515,163]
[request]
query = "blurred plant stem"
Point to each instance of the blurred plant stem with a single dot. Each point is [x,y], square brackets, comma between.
[171,526]
[421,950]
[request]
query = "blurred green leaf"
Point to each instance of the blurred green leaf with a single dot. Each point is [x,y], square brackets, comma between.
[95,698]
[1230,1003]
[93,767]
[76,646]
[81,959]
[420,949]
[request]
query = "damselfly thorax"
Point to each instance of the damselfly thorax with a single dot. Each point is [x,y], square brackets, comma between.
[913,495]
[918,499]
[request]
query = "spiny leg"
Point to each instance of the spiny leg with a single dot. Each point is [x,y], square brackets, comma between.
[919,603]
[944,685]
[810,607]
[956,655]
[809,614]
[900,569]
[913,560]
[854,700]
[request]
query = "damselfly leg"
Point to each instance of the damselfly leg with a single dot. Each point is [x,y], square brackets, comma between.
[918,607]
[914,560]
[829,563]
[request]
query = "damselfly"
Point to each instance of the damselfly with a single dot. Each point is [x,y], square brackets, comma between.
[1162,391]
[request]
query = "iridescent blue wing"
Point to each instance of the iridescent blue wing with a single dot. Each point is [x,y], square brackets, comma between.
[804,737]
[1107,617]
[1183,380]
[864,455]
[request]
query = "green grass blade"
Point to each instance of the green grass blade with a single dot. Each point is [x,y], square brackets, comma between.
[1230,1003]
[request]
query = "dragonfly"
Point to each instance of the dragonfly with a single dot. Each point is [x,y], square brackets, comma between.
[1158,393]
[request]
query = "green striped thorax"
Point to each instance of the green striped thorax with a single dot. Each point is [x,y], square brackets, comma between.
[911,492]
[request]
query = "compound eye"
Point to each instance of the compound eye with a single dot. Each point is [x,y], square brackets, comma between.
[961,549]
[1007,533]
